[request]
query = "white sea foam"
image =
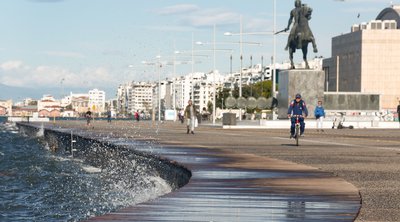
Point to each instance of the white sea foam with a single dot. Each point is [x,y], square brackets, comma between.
[62,158]
[46,146]
[123,194]
[40,133]
[91,169]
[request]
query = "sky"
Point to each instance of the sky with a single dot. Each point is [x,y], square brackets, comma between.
[58,46]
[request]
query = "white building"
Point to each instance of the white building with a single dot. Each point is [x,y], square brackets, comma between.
[140,97]
[123,94]
[80,102]
[135,96]
[97,100]
[181,91]
[48,103]
[48,106]
[67,100]
[28,101]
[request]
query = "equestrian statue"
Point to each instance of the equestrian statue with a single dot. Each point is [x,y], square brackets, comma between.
[300,34]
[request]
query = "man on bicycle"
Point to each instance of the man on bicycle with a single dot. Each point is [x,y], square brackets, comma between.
[296,108]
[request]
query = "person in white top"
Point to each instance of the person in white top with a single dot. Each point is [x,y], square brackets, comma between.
[319,114]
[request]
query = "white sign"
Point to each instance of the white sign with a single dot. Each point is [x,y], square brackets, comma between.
[170,114]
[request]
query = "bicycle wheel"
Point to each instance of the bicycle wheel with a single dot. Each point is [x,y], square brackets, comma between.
[297,134]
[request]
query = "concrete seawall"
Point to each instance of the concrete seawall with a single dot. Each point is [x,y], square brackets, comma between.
[102,154]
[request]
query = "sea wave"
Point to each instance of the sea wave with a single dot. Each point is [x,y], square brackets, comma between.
[39,185]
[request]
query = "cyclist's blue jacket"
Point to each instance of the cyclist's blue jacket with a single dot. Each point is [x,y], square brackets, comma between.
[297,108]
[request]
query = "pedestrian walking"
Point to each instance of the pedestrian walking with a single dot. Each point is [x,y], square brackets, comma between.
[398,112]
[191,117]
[319,114]
[88,116]
[182,115]
[137,117]
[109,116]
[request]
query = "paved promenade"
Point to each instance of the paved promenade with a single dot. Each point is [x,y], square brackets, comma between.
[367,158]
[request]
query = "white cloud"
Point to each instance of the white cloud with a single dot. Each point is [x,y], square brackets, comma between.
[15,73]
[10,65]
[190,16]
[178,9]
[64,54]
[211,17]
[193,16]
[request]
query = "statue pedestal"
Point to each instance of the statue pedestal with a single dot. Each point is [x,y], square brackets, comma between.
[309,83]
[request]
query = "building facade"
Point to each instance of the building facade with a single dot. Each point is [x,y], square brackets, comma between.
[80,102]
[140,97]
[5,107]
[97,100]
[367,60]
[123,94]
[49,107]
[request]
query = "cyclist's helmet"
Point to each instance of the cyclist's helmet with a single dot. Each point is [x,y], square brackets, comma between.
[298,96]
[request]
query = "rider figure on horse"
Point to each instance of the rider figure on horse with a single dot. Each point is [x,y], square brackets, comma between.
[300,34]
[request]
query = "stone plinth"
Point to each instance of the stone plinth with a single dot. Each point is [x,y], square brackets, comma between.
[309,83]
[351,101]
[228,119]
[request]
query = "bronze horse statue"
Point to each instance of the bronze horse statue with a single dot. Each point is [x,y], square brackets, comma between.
[300,34]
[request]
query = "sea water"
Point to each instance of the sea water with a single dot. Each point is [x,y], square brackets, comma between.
[38,185]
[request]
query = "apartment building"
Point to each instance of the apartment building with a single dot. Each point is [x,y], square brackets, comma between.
[97,100]
[140,97]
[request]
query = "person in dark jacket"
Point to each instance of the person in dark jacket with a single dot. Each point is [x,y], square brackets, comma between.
[319,114]
[398,112]
[88,116]
[296,108]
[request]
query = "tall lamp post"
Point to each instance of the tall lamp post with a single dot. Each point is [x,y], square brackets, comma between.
[158,65]
[192,54]
[159,87]
[214,43]
[273,33]
[214,50]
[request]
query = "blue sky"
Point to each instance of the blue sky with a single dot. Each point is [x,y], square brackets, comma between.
[80,44]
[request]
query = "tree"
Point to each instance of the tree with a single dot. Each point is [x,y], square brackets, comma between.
[222,94]
[259,89]
[210,107]
[33,103]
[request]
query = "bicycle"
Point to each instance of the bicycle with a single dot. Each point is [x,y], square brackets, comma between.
[297,128]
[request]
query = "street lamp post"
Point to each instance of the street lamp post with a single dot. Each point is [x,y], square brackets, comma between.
[262,73]
[191,75]
[158,66]
[274,47]
[159,87]
[241,57]
[214,96]
[241,63]
[214,49]
[274,59]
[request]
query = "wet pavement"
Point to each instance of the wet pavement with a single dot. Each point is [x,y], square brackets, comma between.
[226,186]
[217,193]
